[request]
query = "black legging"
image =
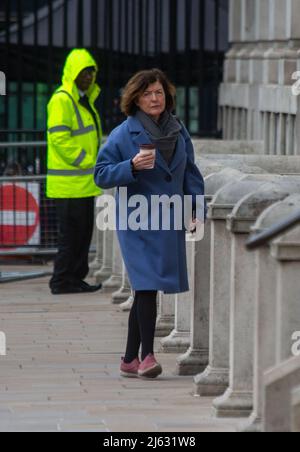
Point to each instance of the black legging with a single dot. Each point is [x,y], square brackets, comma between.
[141,325]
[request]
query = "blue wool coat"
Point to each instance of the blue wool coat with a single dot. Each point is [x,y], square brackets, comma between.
[154,259]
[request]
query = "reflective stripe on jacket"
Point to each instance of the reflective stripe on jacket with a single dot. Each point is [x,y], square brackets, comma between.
[73,140]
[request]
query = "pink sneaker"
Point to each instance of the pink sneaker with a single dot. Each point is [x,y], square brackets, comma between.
[149,368]
[130,370]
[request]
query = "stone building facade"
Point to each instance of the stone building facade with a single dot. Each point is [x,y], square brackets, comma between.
[258,96]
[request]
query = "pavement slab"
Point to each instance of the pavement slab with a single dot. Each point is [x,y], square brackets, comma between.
[61,371]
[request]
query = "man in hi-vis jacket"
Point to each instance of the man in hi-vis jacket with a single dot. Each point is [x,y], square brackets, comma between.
[74,137]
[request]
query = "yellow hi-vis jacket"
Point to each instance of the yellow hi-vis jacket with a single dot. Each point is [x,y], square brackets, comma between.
[73,141]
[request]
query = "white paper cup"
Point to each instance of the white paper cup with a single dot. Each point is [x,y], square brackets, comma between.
[148,149]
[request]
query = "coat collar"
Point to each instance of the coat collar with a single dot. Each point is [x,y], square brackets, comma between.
[134,125]
[140,137]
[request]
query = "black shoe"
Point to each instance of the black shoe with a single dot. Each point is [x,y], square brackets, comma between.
[78,287]
[64,290]
[87,288]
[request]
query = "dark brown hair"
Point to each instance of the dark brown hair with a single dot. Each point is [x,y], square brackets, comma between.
[138,84]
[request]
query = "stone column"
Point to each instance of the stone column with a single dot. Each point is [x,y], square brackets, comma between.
[121,295]
[279,383]
[166,315]
[106,269]
[262,20]
[115,280]
[97,263]
[293,20]
[235,26]
[296,128]
[265,306]
[179,339]
[295,410]
[286,250]
[237,401]
[278,20]
[195,359]
[215,379]
[211,381]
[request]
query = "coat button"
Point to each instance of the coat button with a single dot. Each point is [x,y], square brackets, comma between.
[169,178]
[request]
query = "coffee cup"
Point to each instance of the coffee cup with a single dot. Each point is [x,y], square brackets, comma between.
[148,149]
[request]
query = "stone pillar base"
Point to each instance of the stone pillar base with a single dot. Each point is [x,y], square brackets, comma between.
[127,305]
[113,283]
[252,425]
[92,272]
[176,342]
[233,404]
[95,265]
[212,382]
[121,295]
[164,325]
[192,362]
[102,275]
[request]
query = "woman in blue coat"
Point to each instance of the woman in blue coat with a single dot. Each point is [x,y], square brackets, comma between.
[155,256]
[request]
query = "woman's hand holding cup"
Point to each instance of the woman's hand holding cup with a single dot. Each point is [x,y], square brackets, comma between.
[145,159]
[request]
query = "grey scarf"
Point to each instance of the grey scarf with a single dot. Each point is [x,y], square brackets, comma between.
[164,133]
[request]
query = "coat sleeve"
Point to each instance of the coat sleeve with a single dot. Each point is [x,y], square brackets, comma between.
[193,179]
[111,170]
[60,113]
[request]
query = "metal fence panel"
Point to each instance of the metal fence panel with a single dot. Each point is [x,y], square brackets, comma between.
[27,157]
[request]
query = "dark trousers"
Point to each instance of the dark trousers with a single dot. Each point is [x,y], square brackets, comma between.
[141,325]
[75,223]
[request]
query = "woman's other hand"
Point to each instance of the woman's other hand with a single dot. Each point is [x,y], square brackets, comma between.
[194,224]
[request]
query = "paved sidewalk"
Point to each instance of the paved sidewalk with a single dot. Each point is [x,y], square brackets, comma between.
[61,370]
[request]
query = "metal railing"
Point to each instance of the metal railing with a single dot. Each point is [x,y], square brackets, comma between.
[7,277]
[264,237]
[22,144]
[23,158]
